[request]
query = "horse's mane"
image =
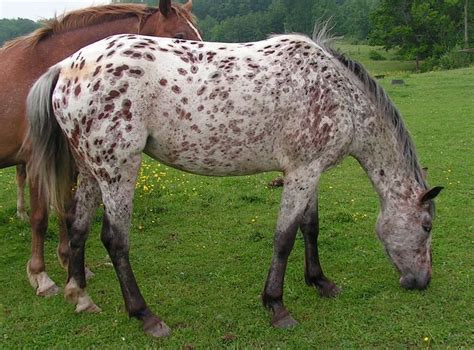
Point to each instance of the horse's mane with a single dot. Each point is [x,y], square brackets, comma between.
[322,37]
[91,16]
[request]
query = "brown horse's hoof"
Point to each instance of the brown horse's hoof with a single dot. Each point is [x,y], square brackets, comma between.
[328,289]
[283,320]
[156,328]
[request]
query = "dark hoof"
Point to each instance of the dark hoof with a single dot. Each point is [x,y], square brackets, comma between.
[277,182]
[156,327]
[328,289]
[283,320]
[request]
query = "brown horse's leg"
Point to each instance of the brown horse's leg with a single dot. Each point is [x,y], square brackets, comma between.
[63,251]
[39,224]
[78,221]
[298,189]
[20,198]
[63,246]
[314,275]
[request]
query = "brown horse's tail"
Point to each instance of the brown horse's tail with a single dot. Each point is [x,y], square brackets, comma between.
[51,161]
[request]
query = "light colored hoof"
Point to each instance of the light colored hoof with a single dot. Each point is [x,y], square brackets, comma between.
[87,306]
[158,330]
[80,298]
[23,216]
[45,287]
[48,291]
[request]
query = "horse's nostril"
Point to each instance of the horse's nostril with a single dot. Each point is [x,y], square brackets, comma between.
[423,281]
[408,281]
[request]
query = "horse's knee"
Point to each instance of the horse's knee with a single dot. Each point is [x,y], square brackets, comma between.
[39,222]
[77,236]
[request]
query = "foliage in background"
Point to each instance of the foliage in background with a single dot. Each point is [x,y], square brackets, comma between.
[12,28]
[419,29]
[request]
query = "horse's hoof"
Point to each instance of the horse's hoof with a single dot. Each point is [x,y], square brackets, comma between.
[285,323]
[89,274]
[283,320]
[88,307]
[328,290]
[49,291]
[157,329]
[23,216]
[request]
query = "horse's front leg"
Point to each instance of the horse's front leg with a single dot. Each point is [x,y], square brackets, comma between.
[298,190]
[313,273]
[35,267]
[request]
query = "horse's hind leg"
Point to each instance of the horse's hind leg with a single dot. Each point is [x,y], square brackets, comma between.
[63,251]
[86,201]
[117,199]
[298,190]
[314,275]
[20,197]
[35,267]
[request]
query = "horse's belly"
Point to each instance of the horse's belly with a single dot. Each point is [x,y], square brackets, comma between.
[212,156]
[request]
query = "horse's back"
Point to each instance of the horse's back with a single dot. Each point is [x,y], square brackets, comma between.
[209,108]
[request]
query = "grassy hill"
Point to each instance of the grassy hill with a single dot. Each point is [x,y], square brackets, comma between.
[201,248]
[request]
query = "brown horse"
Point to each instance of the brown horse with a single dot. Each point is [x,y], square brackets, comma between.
[25,59]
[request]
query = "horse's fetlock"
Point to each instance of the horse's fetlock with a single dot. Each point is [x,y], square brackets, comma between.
[269,301]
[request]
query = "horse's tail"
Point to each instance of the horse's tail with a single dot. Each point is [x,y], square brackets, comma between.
[51,162]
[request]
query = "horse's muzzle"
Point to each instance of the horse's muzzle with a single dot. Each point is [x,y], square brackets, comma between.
[419,281]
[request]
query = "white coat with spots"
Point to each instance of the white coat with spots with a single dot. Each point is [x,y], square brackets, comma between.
[287,103]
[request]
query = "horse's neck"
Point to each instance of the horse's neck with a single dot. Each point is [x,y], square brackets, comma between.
[385,160]
[61,45]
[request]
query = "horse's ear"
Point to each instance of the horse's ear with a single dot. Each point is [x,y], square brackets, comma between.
[165,7]
[188,6]
[430,194]
[424,173]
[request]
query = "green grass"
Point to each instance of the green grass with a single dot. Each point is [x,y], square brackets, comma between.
[201,247]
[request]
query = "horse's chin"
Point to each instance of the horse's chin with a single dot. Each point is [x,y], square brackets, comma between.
[411,281]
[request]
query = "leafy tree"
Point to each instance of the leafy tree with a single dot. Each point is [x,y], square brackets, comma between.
[12,28]
[418,28]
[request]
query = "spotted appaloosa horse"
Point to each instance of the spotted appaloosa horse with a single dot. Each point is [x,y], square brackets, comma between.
[287,103]
[25,59]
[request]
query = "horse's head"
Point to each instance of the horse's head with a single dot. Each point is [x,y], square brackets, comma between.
[405,231]
[173,21]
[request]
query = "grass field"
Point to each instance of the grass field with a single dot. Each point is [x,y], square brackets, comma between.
[201,248]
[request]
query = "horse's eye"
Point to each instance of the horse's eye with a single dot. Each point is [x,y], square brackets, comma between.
[426,228]
[179,36]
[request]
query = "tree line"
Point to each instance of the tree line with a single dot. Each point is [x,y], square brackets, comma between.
[419,29]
